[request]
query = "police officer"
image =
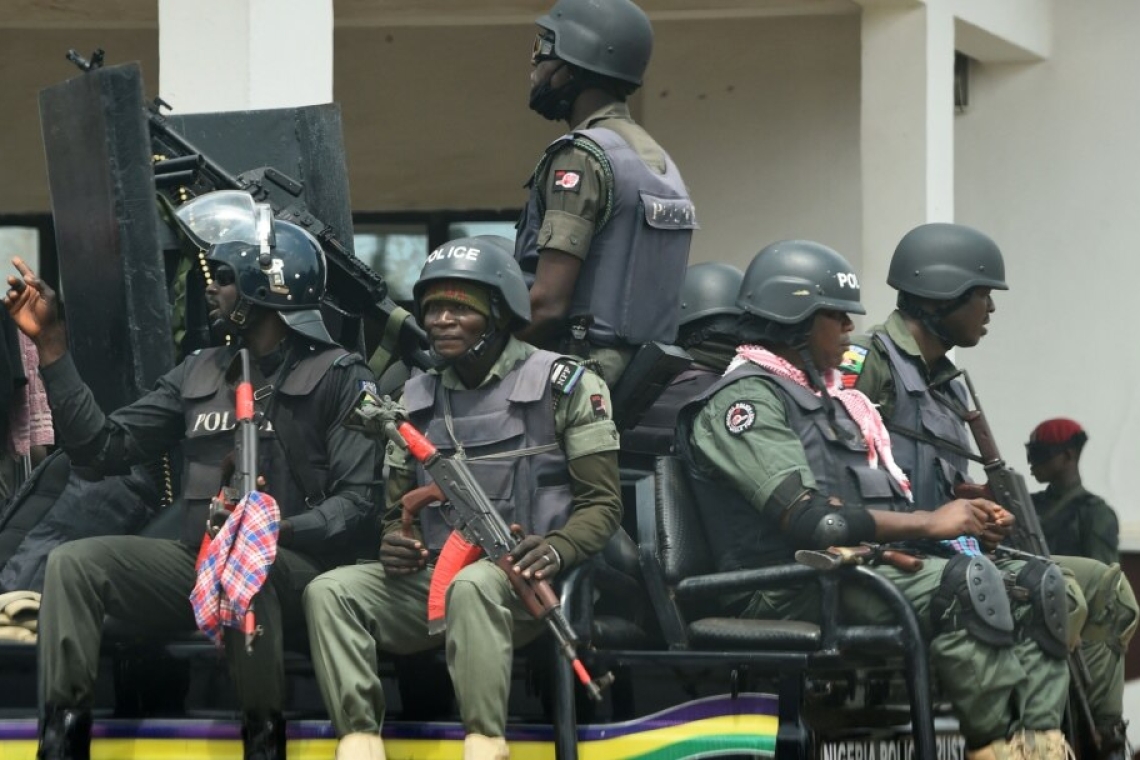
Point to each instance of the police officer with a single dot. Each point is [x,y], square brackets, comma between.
[535,430]
[707,322]
[265,292]
[781,457]
[945,275]
[607,228]
[1073,520]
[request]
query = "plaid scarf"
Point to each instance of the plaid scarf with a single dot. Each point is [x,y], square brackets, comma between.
[236,565]
[858,406]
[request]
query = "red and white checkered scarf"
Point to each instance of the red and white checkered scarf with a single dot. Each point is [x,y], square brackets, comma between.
[862,411]
[236,565]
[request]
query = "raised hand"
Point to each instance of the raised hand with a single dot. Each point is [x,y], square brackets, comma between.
[34,308]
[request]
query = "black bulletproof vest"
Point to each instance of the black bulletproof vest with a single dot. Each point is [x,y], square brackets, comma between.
[836,452]
[505,431]
[655,431]
[631,280]
[209,413]
[934,470]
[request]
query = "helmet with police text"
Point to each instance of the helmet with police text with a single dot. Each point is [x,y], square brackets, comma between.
[942,261]
[709,290]
[789,281]
[483,259]
[276,264]
[611,38]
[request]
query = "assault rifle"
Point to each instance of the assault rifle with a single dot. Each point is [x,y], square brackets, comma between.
[183,170]
[866,553]
[476,523]
[1007,487]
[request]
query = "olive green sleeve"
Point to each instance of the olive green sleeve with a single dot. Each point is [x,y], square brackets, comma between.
[876,382]
[574,190]
[742,435]
[584,424]
[401,479]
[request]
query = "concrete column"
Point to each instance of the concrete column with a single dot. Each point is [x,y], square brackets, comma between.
[234,55]
[907,132]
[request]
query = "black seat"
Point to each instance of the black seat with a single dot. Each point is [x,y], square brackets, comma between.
[683,585]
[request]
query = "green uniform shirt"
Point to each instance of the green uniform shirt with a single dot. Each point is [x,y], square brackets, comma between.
[875,379]
[756,460]
[1079,523]
[581,431]
[572,216]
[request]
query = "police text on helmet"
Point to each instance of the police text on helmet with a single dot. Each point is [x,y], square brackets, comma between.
[455,252]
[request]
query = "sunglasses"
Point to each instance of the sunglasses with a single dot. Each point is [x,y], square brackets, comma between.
[223,275]
[543,49]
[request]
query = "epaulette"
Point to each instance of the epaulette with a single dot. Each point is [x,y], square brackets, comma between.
[565,374]
[348,359]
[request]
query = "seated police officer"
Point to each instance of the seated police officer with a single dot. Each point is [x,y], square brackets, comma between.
[782,458]
[536,433]
[945,275]
[708,316]
[265,293]
[607,227]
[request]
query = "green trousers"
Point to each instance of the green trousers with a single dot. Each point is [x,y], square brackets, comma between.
[995,691]
[147,582]
[1106,616]
[356,612]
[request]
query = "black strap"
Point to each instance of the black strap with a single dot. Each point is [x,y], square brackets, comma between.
[937,443]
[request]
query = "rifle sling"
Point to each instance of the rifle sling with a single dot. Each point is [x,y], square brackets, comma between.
[937,443]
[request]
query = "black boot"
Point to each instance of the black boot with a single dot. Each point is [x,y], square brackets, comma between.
[1114,741]
[65,735]
[263,736]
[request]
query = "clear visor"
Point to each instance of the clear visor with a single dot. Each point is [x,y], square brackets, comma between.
[223,216]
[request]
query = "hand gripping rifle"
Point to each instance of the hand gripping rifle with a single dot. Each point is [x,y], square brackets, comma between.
[476,521]
[1007,487]
[243,481]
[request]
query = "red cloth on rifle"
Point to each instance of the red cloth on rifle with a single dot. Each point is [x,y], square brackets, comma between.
[455,555]
[236,565]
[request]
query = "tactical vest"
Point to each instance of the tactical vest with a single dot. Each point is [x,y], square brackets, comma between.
[505,431]
[631,280]
[934,470]
[655,431]
[739,535]
[208,401]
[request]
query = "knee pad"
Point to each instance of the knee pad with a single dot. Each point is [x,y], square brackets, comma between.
[1048,623]
[971,596]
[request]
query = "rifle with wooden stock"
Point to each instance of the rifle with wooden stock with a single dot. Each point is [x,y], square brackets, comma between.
[1007,487]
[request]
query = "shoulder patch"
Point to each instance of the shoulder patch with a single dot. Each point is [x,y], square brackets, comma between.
[568,181]
[852,364]
[369,386]
[741,416]
[565,374]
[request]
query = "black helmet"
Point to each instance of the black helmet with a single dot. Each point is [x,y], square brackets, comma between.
[943,261]
[789,281]
[486,259]
[276,264]
[612,38]
[709,290]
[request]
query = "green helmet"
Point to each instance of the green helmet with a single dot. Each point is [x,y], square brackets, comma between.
[709,290]
[485,259]
[611,38]
[943,261]
[789,281]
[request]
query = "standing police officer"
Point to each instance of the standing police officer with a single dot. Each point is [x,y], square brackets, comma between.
[781,458]
[535,430]
[607,228]
[265,292]
[945,275]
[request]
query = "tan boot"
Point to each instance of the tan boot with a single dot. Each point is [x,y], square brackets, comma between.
[1045,745]
[479,747]
[360,747]
[1001,749]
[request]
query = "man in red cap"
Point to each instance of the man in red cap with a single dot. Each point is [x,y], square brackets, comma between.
[1074,521]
